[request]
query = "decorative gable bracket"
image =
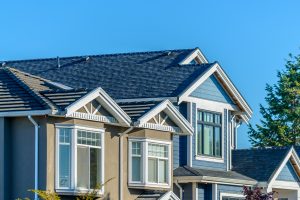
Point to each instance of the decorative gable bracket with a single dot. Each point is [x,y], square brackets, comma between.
[165,117]
[115,114]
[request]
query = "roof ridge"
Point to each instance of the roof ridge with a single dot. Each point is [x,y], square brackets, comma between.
[31,91]
[101,55]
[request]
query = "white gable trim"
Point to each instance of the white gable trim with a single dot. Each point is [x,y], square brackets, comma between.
[169,196]
[196,54]
[105,100]
[219,72]
[172,112]
[290,155]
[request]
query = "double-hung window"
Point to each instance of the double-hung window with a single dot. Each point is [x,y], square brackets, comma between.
[209,134]
[79,158]
[149,163]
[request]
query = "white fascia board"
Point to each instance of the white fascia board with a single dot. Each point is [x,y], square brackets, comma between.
[194,54]
[291,154]
[25,113]
[216,68]
[107,102]
[171,111]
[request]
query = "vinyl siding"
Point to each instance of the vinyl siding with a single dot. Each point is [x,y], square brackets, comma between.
[288,173]
[228,189]
[180,143]
[208,164]
[204,192]
[211,89]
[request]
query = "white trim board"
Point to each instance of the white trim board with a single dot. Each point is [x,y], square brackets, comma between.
[291,155]
[105,100]
[196,54]
[230,88]
[173,114]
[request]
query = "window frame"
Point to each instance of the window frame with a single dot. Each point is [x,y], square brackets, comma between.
[144,163]
[73,158]
[213,124]
[231,195]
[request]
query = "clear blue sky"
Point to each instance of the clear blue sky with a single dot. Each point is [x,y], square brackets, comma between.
[250,39]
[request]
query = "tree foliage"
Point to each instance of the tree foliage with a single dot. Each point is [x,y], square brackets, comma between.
[280,125]
[257,194]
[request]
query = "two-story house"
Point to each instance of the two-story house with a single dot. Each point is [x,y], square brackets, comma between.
[147,125]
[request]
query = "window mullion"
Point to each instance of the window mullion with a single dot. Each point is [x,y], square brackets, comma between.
[74,158]
[145,162]
[89,169]
[157,160]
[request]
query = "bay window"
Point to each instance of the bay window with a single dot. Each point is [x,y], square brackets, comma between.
[149,163]
[79,158]
[209,134]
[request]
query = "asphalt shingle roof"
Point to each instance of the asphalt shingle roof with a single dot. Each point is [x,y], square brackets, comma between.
[192,171]
[136,109]
[122,76]
[259,163]
[15,95]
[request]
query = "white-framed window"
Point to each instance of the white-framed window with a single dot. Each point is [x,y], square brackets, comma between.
[149,163]
[79,157]
[228,196]
[209,134]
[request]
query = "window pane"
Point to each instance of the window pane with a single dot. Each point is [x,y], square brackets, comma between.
[64,165]
[200,116]
[162,178]
[83,167]
[95,167]
[136,148]
[158,150]
[217,141]
[88,138]
[199,139]
[136,169]
[208,117]
[208,140]
[152,170]
[218,119]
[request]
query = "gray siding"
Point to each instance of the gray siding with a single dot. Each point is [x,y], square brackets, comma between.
[288,173]
[180,143]
[228,189]
[211,89]
[207,164]
[204,192]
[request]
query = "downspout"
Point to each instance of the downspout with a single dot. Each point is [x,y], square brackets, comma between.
[36,154]
[180,190]
[121,161]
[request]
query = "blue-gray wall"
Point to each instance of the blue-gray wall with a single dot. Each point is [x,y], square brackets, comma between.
[288,173]
[180,143]
[211,89]
[204,192]
[228,189]
[208,164]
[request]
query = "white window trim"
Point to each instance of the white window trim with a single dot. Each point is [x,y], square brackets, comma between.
[73,163]
[144,172]
[206,157]
[222,194]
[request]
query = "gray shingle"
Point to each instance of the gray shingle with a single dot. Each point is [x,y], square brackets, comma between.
[122,76]
[259,163]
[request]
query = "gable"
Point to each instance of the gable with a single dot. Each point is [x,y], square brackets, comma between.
[288,173]
[164,121]
[212,90]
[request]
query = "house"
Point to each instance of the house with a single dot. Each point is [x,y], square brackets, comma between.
[150,125]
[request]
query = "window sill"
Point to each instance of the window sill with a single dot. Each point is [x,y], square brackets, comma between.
[149,186]
[210,159]
[69,192]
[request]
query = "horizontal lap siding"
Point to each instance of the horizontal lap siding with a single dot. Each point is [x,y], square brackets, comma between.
[229,189]
[180,143]
[208,164]
[288,173]
[211,89]
[204,192]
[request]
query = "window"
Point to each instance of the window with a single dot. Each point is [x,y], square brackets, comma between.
[149,163]
[79,158]
[232,198]
[209,134]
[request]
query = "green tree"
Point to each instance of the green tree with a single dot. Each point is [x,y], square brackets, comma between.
[280,125]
